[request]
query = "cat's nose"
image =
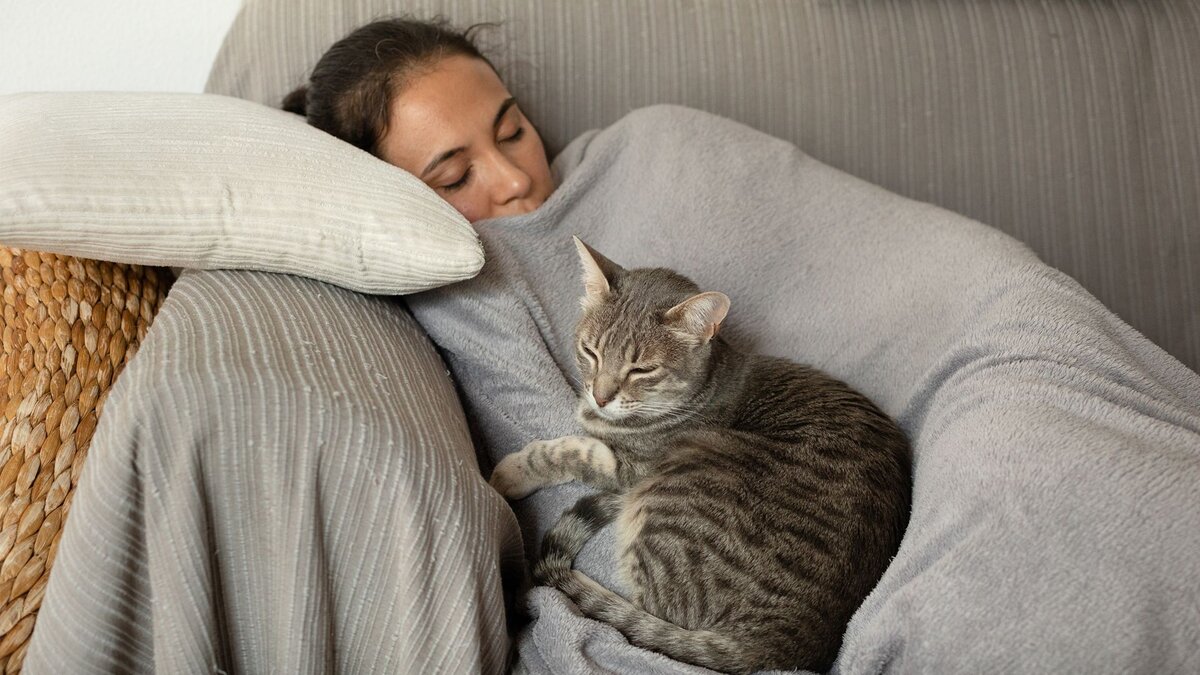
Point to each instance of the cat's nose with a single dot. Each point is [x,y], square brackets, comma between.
[604,390]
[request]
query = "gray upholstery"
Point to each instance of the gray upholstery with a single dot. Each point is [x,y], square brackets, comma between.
[270,480]
[1072,125]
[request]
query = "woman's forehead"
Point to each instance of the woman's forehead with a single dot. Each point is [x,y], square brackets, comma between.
[442,108]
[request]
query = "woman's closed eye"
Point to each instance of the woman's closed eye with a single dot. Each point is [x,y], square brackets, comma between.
[458,183]
[466,177]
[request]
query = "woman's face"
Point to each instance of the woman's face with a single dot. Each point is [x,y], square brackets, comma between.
[458,129]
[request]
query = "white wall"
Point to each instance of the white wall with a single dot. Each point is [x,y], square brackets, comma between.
[124,45]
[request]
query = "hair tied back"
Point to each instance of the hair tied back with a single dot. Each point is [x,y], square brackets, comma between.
[297,101]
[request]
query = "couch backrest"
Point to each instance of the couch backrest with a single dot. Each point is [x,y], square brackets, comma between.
[1072,125]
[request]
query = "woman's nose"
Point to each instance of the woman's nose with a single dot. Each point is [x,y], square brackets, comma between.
[512,182]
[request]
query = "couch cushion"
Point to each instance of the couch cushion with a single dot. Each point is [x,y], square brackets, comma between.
[282,481]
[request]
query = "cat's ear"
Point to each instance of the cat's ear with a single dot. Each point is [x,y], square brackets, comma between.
[699,317]
[598,272]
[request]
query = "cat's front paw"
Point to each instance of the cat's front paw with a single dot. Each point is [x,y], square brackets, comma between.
[513,478]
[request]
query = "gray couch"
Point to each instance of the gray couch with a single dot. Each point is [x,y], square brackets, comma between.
[1073,126]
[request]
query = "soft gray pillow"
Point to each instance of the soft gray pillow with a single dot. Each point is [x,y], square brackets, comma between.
[213,182]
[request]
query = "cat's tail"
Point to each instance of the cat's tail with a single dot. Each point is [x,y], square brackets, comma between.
[578,524]
[559,548]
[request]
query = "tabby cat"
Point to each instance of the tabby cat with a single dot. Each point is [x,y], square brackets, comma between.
[757,500]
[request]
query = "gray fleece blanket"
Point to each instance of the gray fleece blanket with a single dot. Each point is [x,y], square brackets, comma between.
[1056,504]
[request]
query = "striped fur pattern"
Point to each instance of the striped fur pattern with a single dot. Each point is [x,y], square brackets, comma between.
[757,500]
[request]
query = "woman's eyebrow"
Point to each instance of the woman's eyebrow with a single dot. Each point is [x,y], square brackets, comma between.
[508,103]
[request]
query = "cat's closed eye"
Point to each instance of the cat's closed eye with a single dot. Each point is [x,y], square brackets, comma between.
[587,352]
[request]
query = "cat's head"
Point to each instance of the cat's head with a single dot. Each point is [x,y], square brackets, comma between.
[644,341]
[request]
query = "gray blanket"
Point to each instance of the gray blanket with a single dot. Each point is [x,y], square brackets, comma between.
[1056,510]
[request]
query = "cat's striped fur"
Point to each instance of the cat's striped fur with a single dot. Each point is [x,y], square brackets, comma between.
[757,500]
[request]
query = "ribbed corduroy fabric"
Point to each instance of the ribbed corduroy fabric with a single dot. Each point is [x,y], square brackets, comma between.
[1073,125]
[282,481]
[213,182]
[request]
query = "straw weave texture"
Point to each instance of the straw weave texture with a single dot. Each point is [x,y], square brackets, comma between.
[70,326]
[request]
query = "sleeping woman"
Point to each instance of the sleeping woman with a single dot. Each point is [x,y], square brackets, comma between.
[421,96]
[427,101]
[1054,448]
[1029,404]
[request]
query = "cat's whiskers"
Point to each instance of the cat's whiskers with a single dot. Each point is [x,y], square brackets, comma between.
[665,410]
[576,381]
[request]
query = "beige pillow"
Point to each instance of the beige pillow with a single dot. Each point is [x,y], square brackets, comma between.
[212,182]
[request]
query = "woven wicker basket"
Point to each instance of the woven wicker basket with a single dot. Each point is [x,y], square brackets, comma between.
[70,326]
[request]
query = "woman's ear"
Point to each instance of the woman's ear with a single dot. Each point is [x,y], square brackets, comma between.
[698,318]
[598,273]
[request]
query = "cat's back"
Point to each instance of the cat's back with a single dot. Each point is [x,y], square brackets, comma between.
[792,401]
[822,433]
[798,487]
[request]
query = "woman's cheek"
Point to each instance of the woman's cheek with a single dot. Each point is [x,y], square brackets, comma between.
[462,207]
[469,211]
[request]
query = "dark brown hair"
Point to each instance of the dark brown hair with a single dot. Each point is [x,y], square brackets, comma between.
[353,83]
